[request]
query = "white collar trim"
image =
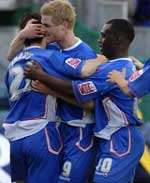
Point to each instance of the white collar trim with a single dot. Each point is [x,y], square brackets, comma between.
[29,47]
[74,46]
[118,59]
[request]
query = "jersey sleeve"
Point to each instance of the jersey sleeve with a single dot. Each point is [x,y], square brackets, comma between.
[140,86]
[37,58]
[88,89]
[98,84]
[66,65]
[147,63]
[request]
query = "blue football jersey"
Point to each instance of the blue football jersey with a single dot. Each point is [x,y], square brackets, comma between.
[139,82]
[113,109]
[30,111]
[53,46]
[147,63]
[69,113]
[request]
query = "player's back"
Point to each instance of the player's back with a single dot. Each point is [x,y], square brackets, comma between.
[117,109]
[29,111]
[113,109]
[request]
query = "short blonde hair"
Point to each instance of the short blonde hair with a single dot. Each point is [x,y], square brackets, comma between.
[60,10]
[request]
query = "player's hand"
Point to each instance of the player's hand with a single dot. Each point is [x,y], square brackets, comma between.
[32,30]
[40,87]
[138,64]
[102,59]
[33,70]
[115,75]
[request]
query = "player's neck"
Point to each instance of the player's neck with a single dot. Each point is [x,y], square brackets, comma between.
[69,40]
[42,44]
[117,55]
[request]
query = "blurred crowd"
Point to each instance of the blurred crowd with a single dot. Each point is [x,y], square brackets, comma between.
[139,11]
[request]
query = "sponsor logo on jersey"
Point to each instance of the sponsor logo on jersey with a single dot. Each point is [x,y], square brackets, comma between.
[87,88]
[73,62]
[135,75]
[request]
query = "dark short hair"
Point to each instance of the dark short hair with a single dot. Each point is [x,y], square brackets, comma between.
[28,16]
[123,28]
[24,20]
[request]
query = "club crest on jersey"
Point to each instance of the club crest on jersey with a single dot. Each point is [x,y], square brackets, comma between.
[87,88]
[73,62]
[135,75]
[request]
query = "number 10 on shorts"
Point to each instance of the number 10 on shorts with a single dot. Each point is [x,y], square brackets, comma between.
[104,166]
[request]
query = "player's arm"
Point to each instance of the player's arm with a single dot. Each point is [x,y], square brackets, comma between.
[15,46]
[74,67]
[119,78]
[139,86]
[57,87]
[40,87]
[31,30]
[91,65]
[82,90]
[34,71]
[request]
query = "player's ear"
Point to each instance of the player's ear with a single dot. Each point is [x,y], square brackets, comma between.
[118,40]
[66,24]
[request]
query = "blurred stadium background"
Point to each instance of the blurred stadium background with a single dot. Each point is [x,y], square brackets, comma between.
[91,15]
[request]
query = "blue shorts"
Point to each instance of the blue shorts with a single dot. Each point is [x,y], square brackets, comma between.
[119,157]
[36,158]
[78,154]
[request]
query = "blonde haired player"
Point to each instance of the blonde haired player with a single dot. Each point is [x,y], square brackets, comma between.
[77,124]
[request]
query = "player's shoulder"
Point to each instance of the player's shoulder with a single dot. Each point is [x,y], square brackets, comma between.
[125,63]
[116,64]
[85,46]
[20,57]
[53,46]
[121,62]
[84,50]
[42,52]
